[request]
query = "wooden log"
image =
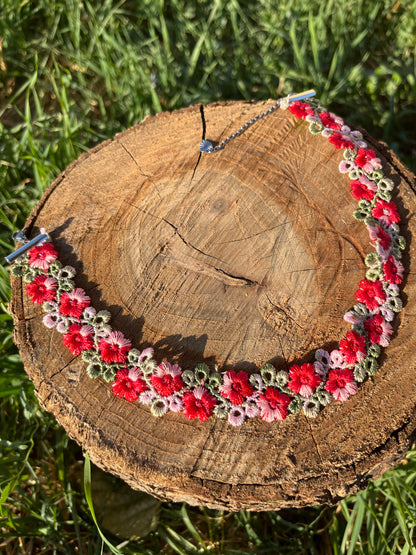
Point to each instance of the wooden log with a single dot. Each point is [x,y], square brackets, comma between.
[246,256]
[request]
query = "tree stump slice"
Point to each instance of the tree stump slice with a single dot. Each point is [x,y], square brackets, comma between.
[238,258]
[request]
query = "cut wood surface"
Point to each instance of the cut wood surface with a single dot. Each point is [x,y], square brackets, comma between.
[245,256]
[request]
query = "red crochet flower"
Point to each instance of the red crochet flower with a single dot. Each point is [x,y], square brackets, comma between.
[304,380]
[377,234]
[386,212]
[340,141]
[341,383]
[78,338]
[328,120]
[370,293]
[360,190]
[42,288]
[273,404]
[73,303]
[129,384]
[114,347]
[198,404]
[366,159]
[300,109]
[236,387]
[378,330]
[393,270]
[167,379]
[41,256]
[353,347]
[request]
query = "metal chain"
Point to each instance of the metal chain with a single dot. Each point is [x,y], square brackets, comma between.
[207,147]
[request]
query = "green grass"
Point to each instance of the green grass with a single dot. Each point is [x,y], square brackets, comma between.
[75,73]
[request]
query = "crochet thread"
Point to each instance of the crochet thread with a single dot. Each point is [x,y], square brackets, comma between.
[269,393]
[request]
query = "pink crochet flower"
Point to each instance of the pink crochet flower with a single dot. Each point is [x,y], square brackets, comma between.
[78,338]
[353,347]
[129,384]
[303,379]
[337,359]
[236,387]
[370,293]
[42,288]
[237,416]
[114,347]
[386,212]
[360,190]
[42,256]
[198,404]
[330,120]
[378,330]
[300,109]
[252,408]
[393,270]
[175,403]
[167,379]
[51,319]
[366,159]
[74,302]
[380,237]
[273,404]
[340,141]
[341,383]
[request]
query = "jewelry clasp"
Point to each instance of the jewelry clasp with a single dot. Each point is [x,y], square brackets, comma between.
[19,236]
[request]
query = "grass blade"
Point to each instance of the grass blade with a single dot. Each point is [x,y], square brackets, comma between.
[88,497]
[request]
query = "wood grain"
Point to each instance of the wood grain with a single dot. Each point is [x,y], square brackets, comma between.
[237,258]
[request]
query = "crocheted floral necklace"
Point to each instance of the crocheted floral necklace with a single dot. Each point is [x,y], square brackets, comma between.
[270,393]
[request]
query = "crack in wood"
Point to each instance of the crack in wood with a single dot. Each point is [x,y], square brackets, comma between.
[280,309]
[321,460]
[142,173]
[196,265]
[201,111]
[251,236]
[60,370]
[246,281]
[129,153]
[29,318]
[176,230]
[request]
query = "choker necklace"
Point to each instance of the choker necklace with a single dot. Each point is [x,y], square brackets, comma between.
[270,393]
